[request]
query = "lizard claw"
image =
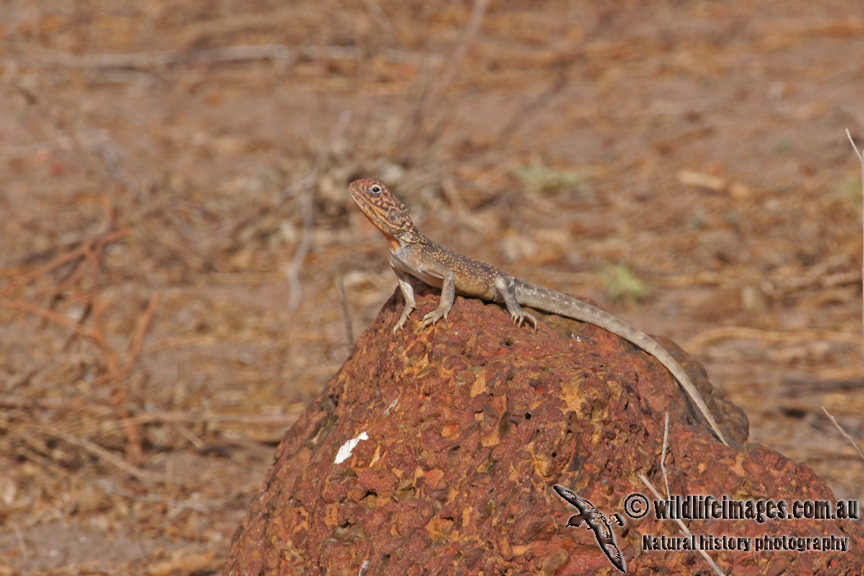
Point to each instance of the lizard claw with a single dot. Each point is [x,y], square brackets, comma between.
[431,318]
[405,313]
[521,316]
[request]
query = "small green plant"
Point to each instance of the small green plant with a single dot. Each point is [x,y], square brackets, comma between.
[731,217]
[542,179]
[849,188]
[623,286]
[847,193]
[783,147]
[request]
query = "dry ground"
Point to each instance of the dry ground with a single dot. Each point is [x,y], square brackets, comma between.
[165,165]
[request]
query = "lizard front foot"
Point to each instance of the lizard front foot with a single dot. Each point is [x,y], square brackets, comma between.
[431,318]
[405,313]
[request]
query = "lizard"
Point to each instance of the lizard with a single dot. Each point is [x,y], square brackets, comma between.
[413,254]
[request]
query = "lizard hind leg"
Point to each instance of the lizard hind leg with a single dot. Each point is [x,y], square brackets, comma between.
[506,287]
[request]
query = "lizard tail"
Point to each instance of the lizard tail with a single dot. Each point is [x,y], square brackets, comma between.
[541,298]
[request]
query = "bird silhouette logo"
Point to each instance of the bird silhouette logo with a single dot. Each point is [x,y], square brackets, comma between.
[598,522]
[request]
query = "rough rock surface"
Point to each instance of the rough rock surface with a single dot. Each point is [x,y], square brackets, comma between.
[469,426]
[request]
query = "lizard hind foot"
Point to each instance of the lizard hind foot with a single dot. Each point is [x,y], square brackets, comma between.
[521,317]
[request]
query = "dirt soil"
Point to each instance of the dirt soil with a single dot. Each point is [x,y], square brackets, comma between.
[175,223]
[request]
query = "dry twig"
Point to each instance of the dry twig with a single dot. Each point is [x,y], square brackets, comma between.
[431,98]
[843,432]
[89,253]
[306,188]
[683,527]
[346,316]
[861,160]
[663,453]
[59,261]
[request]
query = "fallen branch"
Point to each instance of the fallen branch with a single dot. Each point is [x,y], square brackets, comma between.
[90,139]
[154,417]
[108,238]
[732,332]
[90,253]
[280,54]
[101,453]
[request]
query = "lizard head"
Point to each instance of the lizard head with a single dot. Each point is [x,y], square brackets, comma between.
[385,211]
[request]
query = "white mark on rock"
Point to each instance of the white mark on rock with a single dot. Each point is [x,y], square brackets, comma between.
[348,447]
[390,407]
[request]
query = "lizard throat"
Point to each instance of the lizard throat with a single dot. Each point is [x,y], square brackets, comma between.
[394,243]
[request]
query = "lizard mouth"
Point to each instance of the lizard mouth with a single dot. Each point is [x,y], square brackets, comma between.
[369,210]
[376,214]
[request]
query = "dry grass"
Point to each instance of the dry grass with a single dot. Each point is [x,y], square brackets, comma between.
[166,164]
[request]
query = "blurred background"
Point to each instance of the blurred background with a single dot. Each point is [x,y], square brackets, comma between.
[174,224]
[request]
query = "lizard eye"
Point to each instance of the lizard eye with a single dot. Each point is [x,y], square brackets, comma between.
[376,189]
